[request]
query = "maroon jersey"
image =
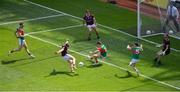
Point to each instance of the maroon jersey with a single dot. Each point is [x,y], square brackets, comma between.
[89,19]
[165,43]
[65,50]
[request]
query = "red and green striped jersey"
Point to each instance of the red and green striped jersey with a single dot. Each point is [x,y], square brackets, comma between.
[136,52]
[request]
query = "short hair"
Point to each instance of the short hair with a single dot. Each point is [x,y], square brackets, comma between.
[99,43]
[136,44]
[166,35]
[20,23]
[87,10]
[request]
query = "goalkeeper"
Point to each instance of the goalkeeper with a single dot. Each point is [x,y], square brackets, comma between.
[165,50]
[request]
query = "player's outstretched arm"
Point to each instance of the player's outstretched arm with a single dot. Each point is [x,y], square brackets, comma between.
[141,46]
[59,51]
[94,20]
[84,22]
[167,46]
[129,47]
[16,34]
[96,51]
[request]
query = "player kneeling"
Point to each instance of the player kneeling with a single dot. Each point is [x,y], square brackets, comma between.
[101,52]
[69,58]
[136,50]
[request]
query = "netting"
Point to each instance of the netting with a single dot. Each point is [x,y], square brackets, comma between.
[153,15]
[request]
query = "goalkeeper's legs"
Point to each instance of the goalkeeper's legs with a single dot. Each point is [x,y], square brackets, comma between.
[158,58]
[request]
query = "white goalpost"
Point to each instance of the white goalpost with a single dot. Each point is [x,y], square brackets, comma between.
[138,19]
[151,18]
[140,26]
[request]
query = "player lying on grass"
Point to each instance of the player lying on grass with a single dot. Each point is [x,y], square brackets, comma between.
[101,52]
[69,58]
[164,51]
[136,50]
[22,42]
[90,22]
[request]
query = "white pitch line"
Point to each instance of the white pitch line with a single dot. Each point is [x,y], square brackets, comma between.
[152,35]
[161,34]
[39,18]
[147,77]
[45,7]
[60,28]
[175,37]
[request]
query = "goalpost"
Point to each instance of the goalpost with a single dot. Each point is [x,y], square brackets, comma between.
[151,15]
[139,22]
[138,19]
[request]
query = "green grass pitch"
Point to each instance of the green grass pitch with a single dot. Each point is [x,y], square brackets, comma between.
[19,73]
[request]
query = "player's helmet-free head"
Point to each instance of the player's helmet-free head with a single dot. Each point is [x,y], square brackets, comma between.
[21,24]
[99,43]
[136,44]
[166,36]
[88,12]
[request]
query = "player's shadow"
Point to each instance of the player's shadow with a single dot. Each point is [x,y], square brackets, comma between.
[13,61]
[54,73]
[128,75]
[34,61]
[79,40]
[94,66]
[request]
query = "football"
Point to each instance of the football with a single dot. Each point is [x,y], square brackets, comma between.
[81,64]
[148,32]
[171,32]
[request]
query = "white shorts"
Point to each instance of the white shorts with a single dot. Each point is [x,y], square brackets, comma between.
[91,26]
[66,57]
[21,42]
[133,61]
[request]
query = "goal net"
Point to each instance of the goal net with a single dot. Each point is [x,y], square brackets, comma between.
[152,16]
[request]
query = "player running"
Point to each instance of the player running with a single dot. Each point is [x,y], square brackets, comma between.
[101,52]
[165,50]
[90,22]
[69,58]
[22,42]
[136,50]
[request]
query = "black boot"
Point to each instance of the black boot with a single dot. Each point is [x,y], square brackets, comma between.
[155,61]
[159,63]
[89,38]
[98,37]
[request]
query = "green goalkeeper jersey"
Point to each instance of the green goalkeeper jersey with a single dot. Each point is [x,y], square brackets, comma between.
[136,52]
